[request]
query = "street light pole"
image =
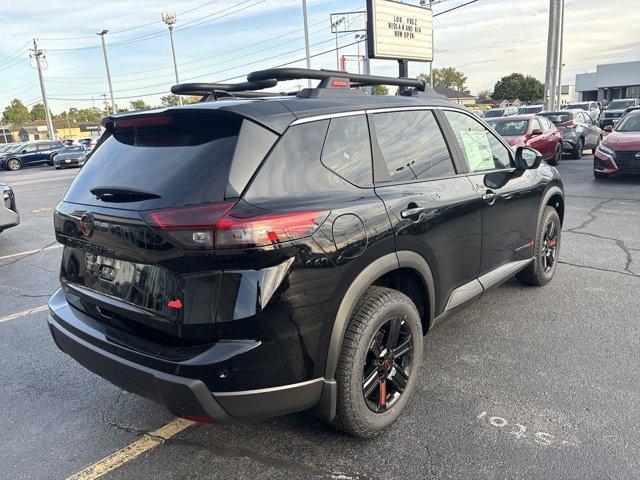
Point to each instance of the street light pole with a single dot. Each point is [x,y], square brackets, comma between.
[38,54]
[560,49]
[306,36]
[552,55]
[170,20]
[432,51]
[106,64]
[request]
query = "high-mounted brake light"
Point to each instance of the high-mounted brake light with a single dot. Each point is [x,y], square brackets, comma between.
[216,225]
[149,121]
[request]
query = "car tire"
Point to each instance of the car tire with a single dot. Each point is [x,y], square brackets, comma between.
[546,249]
[593,150]
[557,156]
[14,164]
[379,312]
[600,175]
[579,148]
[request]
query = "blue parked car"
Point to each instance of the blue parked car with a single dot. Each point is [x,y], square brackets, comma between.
[30,153]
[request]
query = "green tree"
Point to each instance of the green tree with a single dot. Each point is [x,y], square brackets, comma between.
[37,112]
[379,90]
[170,100]
[518,86]
[139,105]
[16,113]
[448,77]
[484,95]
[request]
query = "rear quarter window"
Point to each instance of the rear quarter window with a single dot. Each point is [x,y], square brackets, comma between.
[347,150]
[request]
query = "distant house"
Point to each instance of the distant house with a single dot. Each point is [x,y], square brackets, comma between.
[65,129]
[455,96]
[9,133]
[514,102]
[32,132]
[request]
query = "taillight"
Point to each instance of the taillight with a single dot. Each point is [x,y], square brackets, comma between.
[189,227]
[216,225]
[570,124]
[266,229]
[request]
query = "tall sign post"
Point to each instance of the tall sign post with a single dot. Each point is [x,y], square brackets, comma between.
[398,31]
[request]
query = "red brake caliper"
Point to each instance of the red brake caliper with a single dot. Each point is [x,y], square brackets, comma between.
[552,243]
[382,401]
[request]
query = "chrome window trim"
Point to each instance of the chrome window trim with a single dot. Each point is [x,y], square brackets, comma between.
[327,116]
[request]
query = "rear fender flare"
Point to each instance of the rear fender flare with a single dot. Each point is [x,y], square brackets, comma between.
[384,264]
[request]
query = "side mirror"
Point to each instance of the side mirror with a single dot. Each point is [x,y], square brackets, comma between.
[527,159]
[24,151]
[535,132]
[608,128]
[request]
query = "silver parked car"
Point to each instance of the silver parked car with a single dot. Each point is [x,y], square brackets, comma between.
[615,109]
[579,132]
[70,156]
[9,216]
[527,109]
[592,108]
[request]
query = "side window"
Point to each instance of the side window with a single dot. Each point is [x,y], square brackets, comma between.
[482,150]
[293,168]
[412,145]
[535,125]
[32,147]
[546,124]
[347,150]
[44,146]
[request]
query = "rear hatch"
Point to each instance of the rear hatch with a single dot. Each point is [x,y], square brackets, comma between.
[126,262]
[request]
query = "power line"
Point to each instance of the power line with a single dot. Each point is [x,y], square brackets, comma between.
[22,49]
[454,8]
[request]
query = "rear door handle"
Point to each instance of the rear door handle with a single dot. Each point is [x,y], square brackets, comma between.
[412,212]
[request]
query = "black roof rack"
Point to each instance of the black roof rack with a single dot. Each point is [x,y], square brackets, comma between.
[213,91]
[333,78]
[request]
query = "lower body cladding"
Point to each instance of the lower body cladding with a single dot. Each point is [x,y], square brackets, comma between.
[185,397]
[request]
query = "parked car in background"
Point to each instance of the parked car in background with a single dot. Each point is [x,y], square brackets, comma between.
[579,132]
[9,216]
[501,112]
[619,152]
[531,131]
[615,109]
[528,109]
[7,152]
[478,112]
[630,109]
[70,156]
[88,143]
[592,108]
[31,153]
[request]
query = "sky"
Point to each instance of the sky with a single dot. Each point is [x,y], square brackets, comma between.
[219,40]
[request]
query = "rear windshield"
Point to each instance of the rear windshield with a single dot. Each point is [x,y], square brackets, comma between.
[530,110]
[620,104]
[72,149]
[509,128]
[583,106]
[182,158]
[494,113]
[558,117]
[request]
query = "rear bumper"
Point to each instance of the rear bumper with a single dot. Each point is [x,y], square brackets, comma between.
[184,397]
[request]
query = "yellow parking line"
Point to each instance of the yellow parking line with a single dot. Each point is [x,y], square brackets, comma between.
[13,316]
[128,453]
[29,252]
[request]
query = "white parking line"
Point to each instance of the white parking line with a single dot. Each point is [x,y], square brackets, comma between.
[132,451]
[29,252]
[13,316]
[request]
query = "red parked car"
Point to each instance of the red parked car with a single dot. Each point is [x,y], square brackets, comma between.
[619,152]
[531,131]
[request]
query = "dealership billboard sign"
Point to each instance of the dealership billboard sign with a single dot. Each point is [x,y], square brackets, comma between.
[398,31]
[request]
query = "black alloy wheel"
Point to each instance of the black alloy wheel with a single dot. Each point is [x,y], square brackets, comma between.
[549,247]
[388,365]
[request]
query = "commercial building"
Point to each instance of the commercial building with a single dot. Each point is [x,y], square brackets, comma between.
[609,82]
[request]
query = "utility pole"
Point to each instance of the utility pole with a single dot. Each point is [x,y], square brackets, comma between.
[170,20]
[432,51]
[306,36]
[106,64]
[39,54]
[560,50]
[551,76]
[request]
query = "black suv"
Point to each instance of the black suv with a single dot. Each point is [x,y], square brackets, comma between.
[254,255]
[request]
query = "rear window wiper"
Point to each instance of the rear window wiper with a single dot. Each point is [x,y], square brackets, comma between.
[122,194]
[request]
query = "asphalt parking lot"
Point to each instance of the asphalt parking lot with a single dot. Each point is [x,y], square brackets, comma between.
[530,383]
